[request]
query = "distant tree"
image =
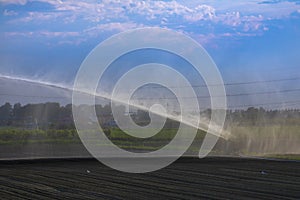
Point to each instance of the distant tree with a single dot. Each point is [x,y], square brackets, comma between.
[252,115]
[16,110]
[6,114]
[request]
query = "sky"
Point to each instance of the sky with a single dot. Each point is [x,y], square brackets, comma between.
[251,40]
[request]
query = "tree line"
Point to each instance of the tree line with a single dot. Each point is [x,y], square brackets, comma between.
[52,115]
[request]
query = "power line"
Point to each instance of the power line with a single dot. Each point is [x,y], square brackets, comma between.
[149,98]
[265,104]
[235,83]
[276,104]
[264,81]
[267,92]
[228,95]
[146,98]
[226,84]
[204,85]
[296,102]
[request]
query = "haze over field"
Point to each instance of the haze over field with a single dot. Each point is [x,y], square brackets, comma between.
[255,45]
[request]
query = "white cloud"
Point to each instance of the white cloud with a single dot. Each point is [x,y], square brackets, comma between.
[73,37]
[9,13]
[124,10]
[231,19]
[201,12]
[246,22]
[191,10]
[114,26]
[155,9]
[20,2]
[49,34]
[39,17]
[119,15]
[250,7]
[59,34]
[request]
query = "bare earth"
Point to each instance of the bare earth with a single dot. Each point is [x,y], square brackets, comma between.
[187,178]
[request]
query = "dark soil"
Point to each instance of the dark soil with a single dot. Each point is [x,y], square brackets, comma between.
[187,178]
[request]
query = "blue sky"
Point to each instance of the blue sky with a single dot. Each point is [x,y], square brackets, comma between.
[249,40]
